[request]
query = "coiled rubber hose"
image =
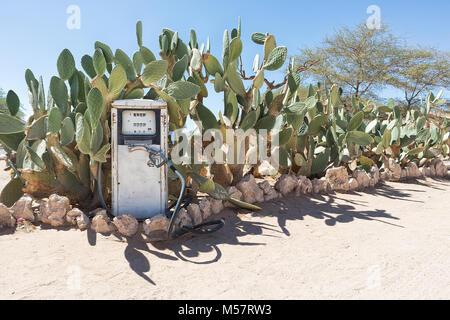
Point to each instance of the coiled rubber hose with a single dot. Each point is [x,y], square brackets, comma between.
[198,229]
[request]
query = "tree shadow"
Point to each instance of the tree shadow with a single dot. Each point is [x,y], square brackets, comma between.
[332,209]
[237,227]
[205,249]
[388,191]
[323,208]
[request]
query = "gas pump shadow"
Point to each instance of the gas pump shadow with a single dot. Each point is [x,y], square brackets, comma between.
[134,253]
[91,237]
[204,249]
[196,249]
[188,248]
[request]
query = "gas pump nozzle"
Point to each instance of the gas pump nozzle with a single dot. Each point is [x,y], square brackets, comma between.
[157,157]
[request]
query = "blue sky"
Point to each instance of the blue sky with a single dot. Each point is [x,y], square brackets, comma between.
[35,32]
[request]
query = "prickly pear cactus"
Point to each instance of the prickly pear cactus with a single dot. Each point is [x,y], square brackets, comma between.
[60,147]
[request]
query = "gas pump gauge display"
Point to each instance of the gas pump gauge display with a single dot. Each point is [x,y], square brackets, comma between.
[138,122]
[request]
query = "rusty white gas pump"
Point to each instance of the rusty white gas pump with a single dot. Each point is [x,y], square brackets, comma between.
[139,132]
[139,152]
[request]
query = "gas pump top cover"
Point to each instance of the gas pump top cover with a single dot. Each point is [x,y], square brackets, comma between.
[139,104]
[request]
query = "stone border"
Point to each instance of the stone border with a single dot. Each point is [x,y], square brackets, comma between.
[56,211]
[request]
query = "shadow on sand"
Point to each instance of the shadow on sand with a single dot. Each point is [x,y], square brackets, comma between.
[332,209]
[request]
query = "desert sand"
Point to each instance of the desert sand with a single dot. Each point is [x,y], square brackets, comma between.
[388,243]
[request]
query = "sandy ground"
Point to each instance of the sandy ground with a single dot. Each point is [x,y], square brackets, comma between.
[389,243]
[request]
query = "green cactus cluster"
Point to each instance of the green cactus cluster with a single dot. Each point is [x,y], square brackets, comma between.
[328,132]
[61,145]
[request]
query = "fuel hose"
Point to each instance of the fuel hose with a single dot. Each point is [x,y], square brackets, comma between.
[203,228]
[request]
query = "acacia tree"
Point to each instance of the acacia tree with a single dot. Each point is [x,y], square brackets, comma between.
[3,107]
[419,71]
[359,60]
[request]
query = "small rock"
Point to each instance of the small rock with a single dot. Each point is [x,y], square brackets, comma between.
[193,210]
[250,190]
[234,193]
[375,173]
[54,210]
[183,219]
[432,171]
[423,171]
[386,175]
[304,186]
[409,173]
[101,222]
[441,168]
[269,192]
[205,207]
[23,208]
[6,219]
[216,206]
[286,184]
[83,221]
[266,169]
[353,184]
[434,164]
[372,182]
[317,186]
[196,215]
[362,178]
[413,170]
[127,225]
[338,178]
[72,215]
[156,227]
[396,170]
[327,185]
[404,174]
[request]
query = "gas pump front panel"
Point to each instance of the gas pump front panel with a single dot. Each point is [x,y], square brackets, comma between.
[139,122]
[139,126]
[138,189]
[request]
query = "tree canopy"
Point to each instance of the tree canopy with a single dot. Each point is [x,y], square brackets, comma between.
[3,107]
[418,71]
[363,61]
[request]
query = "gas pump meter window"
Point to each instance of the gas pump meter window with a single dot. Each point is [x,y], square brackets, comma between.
[138,122]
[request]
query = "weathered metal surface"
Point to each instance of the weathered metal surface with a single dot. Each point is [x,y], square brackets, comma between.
[137,189]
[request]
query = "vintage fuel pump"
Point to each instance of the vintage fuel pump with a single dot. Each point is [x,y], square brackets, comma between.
[139,153]
[139,132]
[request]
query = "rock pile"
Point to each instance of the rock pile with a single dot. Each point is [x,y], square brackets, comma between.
[57,211]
